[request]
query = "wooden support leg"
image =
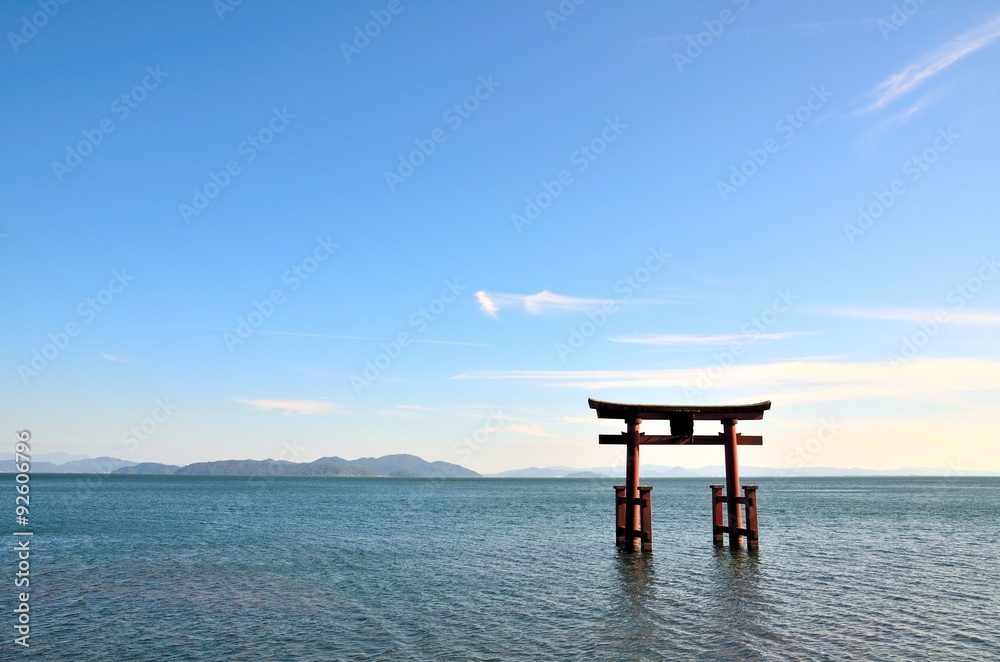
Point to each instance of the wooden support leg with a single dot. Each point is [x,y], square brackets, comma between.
[750,497]
[647,519]
[718,528]
[620,515]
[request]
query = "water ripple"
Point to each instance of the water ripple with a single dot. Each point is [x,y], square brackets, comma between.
[179,568]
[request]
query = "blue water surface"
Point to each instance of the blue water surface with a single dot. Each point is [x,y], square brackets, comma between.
[184,567]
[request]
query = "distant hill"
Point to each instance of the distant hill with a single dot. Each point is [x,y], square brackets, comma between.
[148,469]
[398,466]
[750,471]
[57,458]
[746,471]
[648,471]
[97,465]
[323,467]
[8,467]
[411,466]
[535,472]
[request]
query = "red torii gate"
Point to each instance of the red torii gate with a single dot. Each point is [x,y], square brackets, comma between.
[633,521]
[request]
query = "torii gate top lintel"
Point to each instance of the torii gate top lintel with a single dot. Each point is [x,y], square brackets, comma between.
[623,411]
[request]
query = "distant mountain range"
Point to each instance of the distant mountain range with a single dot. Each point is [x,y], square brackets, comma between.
[97,465]
[411,466]
[648,471]
[398,466]
[746,471]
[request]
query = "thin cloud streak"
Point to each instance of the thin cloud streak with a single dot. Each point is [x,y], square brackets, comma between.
[278,333]
[289,407]
[818,27]
[532,430]
[332,336]
[914,74]
[960,317]
[451,342]
[546,302]
[800,380]
[680,340]
[109,357]
[535,304]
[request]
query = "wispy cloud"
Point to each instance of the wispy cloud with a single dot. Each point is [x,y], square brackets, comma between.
[486,303]
[822,27]
[818,27]
[792,381]
[962,317]
[278,333]
[116,359]
[532,430]
[331,336]
[915,73]
[437,413]
[536,304]
[907,114]
[289,407]
[680,340]
[451,342]
[895,119]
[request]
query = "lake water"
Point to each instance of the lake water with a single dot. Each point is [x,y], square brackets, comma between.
[144,567]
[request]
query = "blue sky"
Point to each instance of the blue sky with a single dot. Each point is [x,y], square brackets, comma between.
[307,229]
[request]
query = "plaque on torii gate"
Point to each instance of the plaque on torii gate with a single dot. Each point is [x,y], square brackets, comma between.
[633,521]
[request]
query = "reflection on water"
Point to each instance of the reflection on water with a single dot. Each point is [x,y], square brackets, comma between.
[636,575]
[738,576]
[633,603]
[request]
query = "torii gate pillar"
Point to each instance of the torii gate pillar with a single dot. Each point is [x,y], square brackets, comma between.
[633,504]
[734,513]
